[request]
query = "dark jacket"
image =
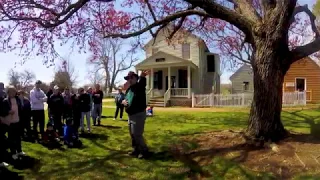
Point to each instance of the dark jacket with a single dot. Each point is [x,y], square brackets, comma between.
[137,103]
[49,93]
[119,98]
[97,100]
[67,100]
[75,103]
[26,108]
[7,107]
[84,102]
[56,104]
[2,97]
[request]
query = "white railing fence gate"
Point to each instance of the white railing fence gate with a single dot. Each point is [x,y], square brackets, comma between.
[243,100]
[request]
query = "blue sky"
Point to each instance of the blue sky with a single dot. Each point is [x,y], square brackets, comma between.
[45,74]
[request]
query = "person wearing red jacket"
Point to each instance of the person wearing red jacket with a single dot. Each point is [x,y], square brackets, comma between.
[51,137]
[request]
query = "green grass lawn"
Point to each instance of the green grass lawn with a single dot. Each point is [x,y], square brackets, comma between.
[109,103]
[104,156]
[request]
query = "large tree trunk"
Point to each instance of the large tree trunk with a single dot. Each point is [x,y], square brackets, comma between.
[268,75]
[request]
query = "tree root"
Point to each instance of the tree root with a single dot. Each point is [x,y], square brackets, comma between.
[303,164]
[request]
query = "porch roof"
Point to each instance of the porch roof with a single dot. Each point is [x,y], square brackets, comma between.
[168,60]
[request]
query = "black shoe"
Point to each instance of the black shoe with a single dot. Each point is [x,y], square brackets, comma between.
[99,123]
[134,153]
[146,155]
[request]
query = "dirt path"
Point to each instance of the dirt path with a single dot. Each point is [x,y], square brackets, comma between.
[298,154]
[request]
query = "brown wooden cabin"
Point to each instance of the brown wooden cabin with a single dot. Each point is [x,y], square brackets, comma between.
[304,75]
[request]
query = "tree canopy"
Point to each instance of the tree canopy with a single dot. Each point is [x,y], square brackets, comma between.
[38,26]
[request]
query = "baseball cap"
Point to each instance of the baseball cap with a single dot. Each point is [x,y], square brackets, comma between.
[130,75]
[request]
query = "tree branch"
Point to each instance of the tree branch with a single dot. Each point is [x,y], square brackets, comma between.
[308,49]
[165,20]
[216,10]
[247,10]
[64,15]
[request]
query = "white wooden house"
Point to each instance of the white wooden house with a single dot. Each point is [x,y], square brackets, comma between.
[242,80]
[178,69]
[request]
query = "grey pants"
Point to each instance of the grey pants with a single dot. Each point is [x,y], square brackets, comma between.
[136,128]
[87,116]
[96,113]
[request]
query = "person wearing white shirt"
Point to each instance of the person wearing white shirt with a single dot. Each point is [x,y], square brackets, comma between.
[37,99]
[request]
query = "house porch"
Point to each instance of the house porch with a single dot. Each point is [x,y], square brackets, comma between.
[180,84]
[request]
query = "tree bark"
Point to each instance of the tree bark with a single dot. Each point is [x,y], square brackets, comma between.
[269,68]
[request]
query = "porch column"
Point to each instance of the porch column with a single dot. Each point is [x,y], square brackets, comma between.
[189,82]
[169,77]
[151,80]
[148,82]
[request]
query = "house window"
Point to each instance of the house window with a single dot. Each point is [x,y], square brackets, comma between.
[154,50]
[211,63]
[160,59]
[186,51]
[245,86]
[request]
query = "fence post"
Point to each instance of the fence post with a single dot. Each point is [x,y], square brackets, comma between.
[305,97]
[192,100]
[211,99]
[242,99]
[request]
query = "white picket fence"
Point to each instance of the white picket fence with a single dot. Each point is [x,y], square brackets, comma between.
[243,100]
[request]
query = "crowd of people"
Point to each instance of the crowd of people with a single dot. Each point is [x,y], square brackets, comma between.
[67,112]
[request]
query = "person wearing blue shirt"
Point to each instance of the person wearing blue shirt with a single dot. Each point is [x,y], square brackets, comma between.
[71,138]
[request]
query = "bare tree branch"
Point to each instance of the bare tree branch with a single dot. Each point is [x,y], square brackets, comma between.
[21,79]
[314,46]
[65,75]
[109,58]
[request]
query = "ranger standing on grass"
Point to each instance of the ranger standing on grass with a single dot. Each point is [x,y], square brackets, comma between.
[135,104]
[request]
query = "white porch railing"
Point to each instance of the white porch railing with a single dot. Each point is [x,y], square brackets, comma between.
[243,100]
[148,95]
[179,92]
[294,98]
[166,97]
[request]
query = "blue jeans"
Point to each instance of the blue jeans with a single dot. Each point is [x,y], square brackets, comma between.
[96,113]
[87,116]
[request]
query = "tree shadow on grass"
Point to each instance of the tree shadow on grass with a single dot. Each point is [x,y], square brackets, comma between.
[166,163]
[92,165]
[117,165]
[196,163]
[92,136]
[105,117]
[314,136]
[110,127]
[25,162]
